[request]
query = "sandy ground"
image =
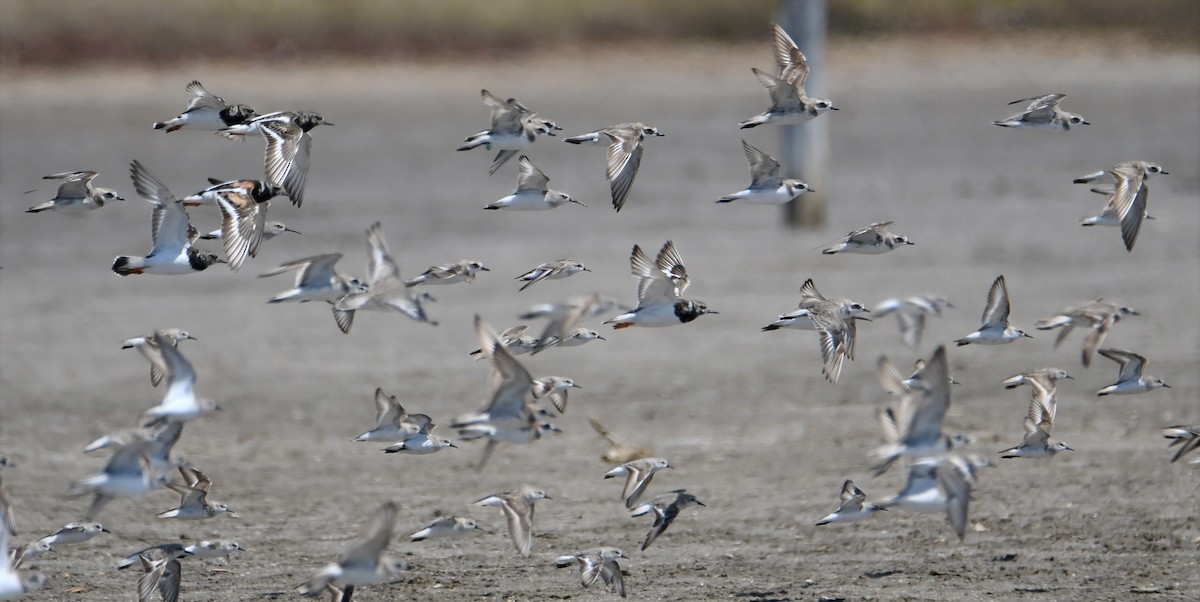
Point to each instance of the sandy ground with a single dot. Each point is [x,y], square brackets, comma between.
[745,416]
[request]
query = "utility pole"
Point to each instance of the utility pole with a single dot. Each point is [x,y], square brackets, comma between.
[806,146]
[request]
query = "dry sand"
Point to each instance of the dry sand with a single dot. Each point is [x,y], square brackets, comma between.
[745,416]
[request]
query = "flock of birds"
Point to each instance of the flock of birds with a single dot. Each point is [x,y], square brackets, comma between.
[521,408]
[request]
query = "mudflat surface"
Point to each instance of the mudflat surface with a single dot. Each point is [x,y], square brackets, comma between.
[744,416]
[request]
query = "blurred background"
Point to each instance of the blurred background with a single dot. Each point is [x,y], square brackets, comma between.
[39,33]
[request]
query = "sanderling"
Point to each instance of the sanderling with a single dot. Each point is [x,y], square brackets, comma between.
[554,389]
[127,474]
[1187,437]
[518,512]
[159,440]
[624,154]
[385,290]
[363,562]
[173,335]
[180,403]
[1038,423]
[1095,314]
[72,533]
[1043,113]
[766,186]
[289,146]
[891,381]
[214,548]
[514,340]
[422,441]
[507,415]
[660,288]
[392,423]
[207,111]
[638,474]
[872,240]
[853,507]
[939,484]
[193,498]
[449,273]
[911,312]
[994,328]
[551,270]
[666,509]
[165,550]
[579,336]
[1127,201]
[1130,380]
[162,574]
[76,193]
[789,102]
[270,230]
[1150,169]
[566,316]
[316,280]
[913,425]
[513,128]
[445,526]
[1046,376]
[15,583]
[618,453]
[599,564]
[171,251]
[27,552]
[531,193]
[801,318]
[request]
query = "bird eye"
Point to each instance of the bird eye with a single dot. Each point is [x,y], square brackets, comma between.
[1075,120]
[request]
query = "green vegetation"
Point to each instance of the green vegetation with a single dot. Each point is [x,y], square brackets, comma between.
[71,32]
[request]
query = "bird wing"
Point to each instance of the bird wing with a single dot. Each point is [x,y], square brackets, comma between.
[388,410]
[1131,363]
[1129,200]
[783,94]
[670,263]
[530,178]
[764,169]
[995,313]
[654,286]
[373,538]
[202,98]
[624,158]
[381,267]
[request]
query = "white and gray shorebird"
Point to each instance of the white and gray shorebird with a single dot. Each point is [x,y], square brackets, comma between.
[363,562]
[193,498]
[551,270]
[912,426]
[75,532]
[940,484]
[518,513]
[666,509]
[206,111]
[316,280]
[891,381]
[1039,422]
[579,336]
[1127,200]
[165,550]
[421,442]
[994,328]
[449,273]
[23,554]
[173,335]
[564,319]
[159,439]
[513,128]
[180,403]
[624,154]
[911,313]
[854,506]
[508,415]
[531,193]
[872,240]
[76,193]
[270,230]
[1047,377]
[1043,113]
[661,284]
[171,252]
[1186,437]
[1096,315]
[385,289]
[554,389]
[766,185]
[162,575]
[213,548]
[515,340]
[446,526]
[789,102]
[289,146]
[127,474]
[801,317]
[1131,378]
[638,474]
[392,422]
[597,565]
